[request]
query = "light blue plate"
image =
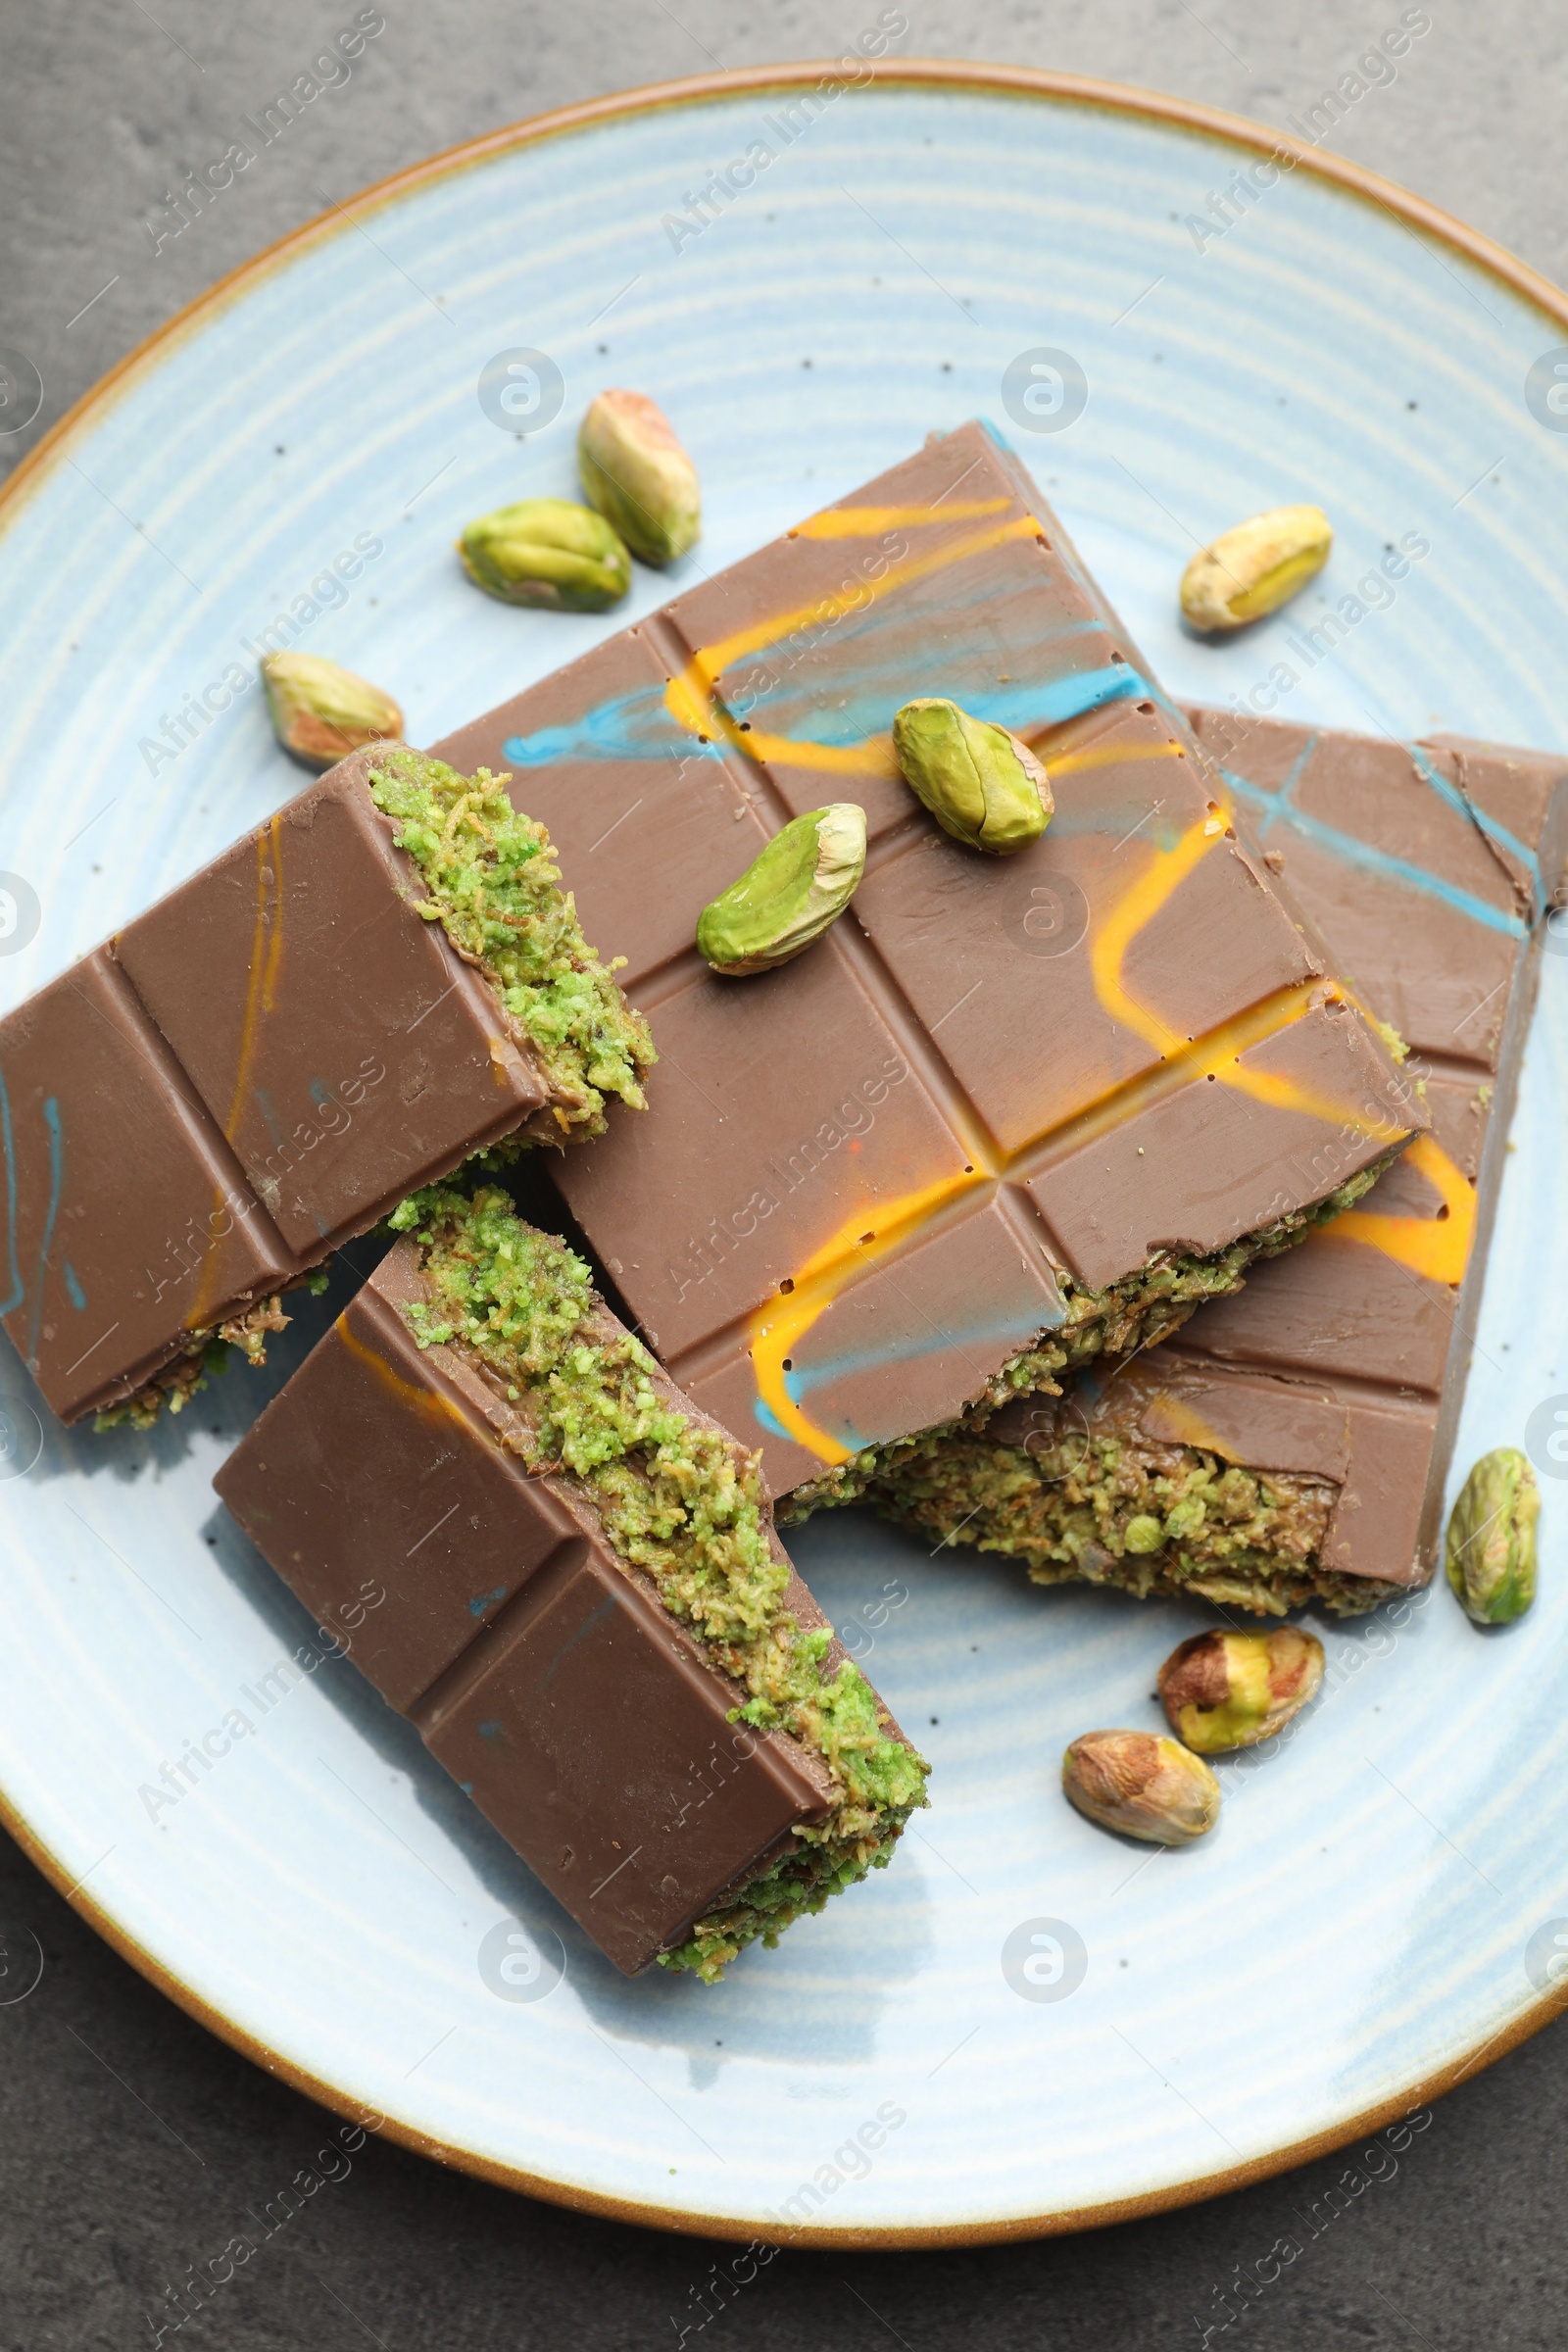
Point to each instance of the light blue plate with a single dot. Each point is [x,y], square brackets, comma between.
[1359,1929]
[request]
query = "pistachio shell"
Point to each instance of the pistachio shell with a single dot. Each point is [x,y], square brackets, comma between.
[1224,1690]
[981,784]
[1256,567]
[789,895]
[635,471]
[321,712]
[1142,1784]
[1491,1538]
[547,550]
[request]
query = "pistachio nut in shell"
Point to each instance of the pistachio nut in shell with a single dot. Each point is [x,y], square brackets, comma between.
[1491,1538]
[1224,1690]
[636,473]
[321,712]
[787,896]
[1256,567]
[1142,1784]
[547,550]
[981,784]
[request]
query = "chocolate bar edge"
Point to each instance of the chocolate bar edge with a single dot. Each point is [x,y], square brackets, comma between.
[468,1392]
[1352,1587]
[139,965]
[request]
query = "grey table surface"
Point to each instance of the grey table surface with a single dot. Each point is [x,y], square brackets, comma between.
[131,2138]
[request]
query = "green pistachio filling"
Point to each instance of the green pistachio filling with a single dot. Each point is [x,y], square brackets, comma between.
[680,1502]
[1145,1517]
[208,1354]
[1130,1314]
[495,888]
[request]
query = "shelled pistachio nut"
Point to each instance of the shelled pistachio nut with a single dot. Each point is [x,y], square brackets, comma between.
[981,784]
[1491,1538]
[1225,1691]
[1256,567]
[637,475]
[547,550]
[1144,1784]
[787,897]
[322,712]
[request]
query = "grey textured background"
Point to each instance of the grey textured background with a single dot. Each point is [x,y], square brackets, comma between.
[131,2143]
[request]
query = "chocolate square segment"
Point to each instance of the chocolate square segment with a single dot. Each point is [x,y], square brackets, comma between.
[129,1216]
[1428,869]
[885,1351]
[489,1605]
[381,1498]
[1424,864]
[339,1042]
[586,1733]
[247,1075]
[1116,1042]
[787,1118]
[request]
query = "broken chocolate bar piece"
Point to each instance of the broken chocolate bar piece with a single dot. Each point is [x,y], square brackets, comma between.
[1292,1442]
[588,1614]
[1003,1115]
[261,1065]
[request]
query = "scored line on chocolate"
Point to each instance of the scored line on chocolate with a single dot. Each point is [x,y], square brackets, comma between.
[1182,1058]
[1090,742]
[1343,1362]
[851,943]
[494,1632]
[772,689]
[229,1181]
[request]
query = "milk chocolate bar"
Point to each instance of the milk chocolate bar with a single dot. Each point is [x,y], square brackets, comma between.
[1291,1443]
[1007,1112]
[589,1615]
[198,1112]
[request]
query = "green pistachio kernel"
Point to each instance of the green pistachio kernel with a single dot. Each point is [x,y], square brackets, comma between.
[1491,1538]
[1185,1518]
[637,475]
[547,550]
[1144,1533]
[321,712]
[1224,1690]
[787,898]
[1256,567]
[981,784]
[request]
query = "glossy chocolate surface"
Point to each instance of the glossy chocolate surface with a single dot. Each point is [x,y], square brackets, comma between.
[585,1721]
[1428,869]
[133,1220]
[251,1072]
[864,1178]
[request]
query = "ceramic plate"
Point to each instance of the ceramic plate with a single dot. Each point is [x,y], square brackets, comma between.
[1035,2025]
